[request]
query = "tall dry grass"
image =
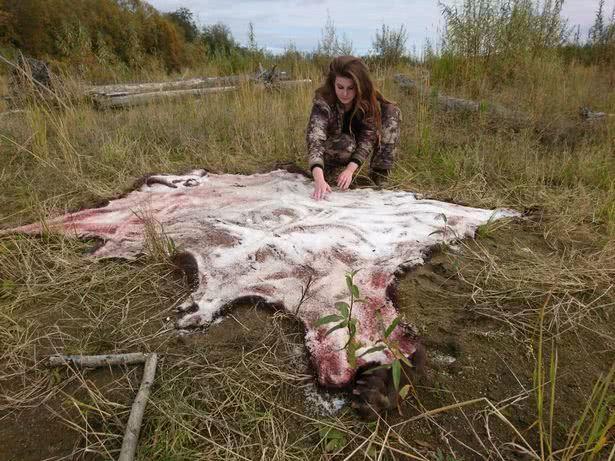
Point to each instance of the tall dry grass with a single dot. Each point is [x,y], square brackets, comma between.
[209,404]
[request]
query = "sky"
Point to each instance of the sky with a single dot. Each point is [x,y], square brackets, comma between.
[280,22]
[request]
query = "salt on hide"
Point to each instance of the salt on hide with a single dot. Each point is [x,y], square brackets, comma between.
[263,236]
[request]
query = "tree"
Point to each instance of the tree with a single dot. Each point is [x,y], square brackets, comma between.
[184,19]
[252,45]
[218,39]
[390,44]
[330,44]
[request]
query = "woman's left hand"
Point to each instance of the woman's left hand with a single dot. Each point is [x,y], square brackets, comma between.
[345,177]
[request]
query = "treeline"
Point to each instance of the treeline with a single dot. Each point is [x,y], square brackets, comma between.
[104,39]
[117,33]
[508,40]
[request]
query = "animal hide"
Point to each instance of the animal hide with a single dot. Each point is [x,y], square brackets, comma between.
[262,236]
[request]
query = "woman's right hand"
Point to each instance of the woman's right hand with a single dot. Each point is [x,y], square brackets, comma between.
[321,188]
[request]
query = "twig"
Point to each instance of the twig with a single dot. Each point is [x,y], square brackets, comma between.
[304,293]
[131,435]
[95,361]
[9,112]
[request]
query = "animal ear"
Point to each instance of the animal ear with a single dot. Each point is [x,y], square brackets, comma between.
[187,266]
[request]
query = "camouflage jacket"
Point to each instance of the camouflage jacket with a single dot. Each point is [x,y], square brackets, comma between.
[326,141]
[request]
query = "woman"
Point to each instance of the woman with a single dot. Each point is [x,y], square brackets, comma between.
[350,123]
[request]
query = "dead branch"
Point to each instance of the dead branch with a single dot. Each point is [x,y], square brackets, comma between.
[450,103]
[96,361]
[133,428]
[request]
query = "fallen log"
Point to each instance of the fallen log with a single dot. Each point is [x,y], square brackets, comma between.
[497,111]
[263,76]
[136,88]
[449,103]
[112,100]
[133,427]
[587,114]
[126,100]
[96,361]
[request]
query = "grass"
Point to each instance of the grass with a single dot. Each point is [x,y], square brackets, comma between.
[239,391]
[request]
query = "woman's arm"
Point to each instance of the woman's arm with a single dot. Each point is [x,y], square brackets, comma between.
[316,133]
[366,140]
[316,136]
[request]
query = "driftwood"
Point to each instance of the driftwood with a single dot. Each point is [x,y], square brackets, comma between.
[133,427]
[135,88]
[270,76]
[96,361]
[450,103]
[106,96]
[495,110]
[126,100]
[587,114]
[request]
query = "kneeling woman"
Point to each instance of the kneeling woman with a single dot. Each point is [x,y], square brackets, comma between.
[350,123]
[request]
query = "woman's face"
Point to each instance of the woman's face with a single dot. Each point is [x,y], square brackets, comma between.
[345,91]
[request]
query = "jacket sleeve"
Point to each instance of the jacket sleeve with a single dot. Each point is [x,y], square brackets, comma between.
[366,141]
[316,134]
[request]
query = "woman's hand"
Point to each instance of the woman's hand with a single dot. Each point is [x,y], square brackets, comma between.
[321,188]
[345,177]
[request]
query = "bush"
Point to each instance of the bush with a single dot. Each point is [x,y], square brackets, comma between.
[389,45]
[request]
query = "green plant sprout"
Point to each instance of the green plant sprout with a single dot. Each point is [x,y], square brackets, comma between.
[446,229]
[331,438]
[344,319]
[393,347]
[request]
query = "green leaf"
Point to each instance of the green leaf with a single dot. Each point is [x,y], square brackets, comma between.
[396,366]
[349,283]
[391,327]
[353,273]
[355,291]
[336,327]
[379,367]
[406,361]
[403,392]
[327,319]
[352,327]
[332,438]
[343,307]
[373,349]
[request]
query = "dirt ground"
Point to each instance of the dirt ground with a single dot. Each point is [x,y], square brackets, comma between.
[470,356]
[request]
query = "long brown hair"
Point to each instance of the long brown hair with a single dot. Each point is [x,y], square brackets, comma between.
[367,97]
